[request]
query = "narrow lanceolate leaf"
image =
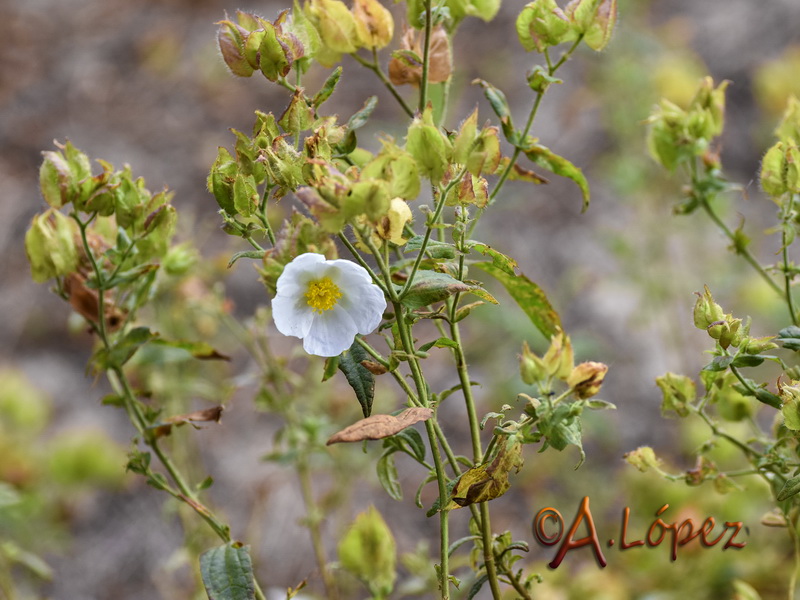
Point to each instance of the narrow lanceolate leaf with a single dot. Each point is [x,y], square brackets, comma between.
[499,260]
[360,118]
[387,475]
[530,297]
[327,88]
[378,427]
[544,157]
[228,572]
[358,376]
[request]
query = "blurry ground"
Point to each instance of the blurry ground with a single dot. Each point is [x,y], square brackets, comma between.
[142,83]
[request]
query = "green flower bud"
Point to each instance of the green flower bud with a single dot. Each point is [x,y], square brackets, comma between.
[710,101]
[595,19]
[231,38]
[774,171]
[789,128]
[336,26]
[429,147]
[180,259]
[751,345]
[731,404]
[643,458]
[790,395]
[541,24]
[50,246]
[706,311]
[678,393]
[559,359]
[531,367]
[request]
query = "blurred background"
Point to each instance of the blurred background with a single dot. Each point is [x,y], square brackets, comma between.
[143,83]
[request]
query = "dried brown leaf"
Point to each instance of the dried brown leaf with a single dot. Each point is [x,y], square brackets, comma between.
[85,302]
[403,70]
[207,415]
[373,367]
[376,427]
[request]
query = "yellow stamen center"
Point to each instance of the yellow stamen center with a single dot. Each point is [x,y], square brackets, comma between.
[322,294]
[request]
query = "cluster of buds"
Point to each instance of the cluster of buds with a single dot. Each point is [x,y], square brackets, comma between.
[543,23]
[677,135]
[584,379]
[727,330]
[780,169]
[322,30]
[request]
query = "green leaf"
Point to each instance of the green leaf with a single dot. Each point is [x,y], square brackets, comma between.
[257,254]
[745,360]
[544,157]
[429,287]
[359,119]
[441,342]
[228,572]
[720,363]
[499,103]
[789,489]
[561,427]
[124,349]
[499,260]
[413,440]
[359,377]
[327,88]
[769,398]
[476,587]
[331,366]
[387,475]
[434,248]
[529,296]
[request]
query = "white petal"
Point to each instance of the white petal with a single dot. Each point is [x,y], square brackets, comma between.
[365,303]
[331,333]
[350,272]
[292,315]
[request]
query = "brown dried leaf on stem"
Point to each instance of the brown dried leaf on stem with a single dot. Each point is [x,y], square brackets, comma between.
[405,68]
[208,415]
[376,427]
[85,301]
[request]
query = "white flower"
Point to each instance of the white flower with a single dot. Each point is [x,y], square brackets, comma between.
[326,303]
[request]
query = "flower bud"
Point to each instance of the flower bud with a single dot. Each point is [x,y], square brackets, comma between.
[335,23]
[711,101]
[678,392]
[790,395]
[643,458]
[541,24]
[751,345]
[559,359]
[231,38]
[586,379]
[789,128]
[392,225]
[706,311]
[594,19]
[50,246]
[374,24]
[774,171]
[531,367]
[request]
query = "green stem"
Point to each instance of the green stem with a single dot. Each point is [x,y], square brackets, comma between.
[426,57]
[551,69]
[313,512]
[787,277]
[429,229]
[375,68]
[741,250]
[792,529]
[375,279]
[119,382]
